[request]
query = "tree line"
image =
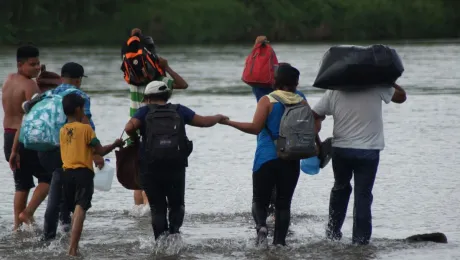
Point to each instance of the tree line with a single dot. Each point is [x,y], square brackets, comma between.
[106,22]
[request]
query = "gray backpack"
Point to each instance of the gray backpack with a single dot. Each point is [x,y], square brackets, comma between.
[297,135]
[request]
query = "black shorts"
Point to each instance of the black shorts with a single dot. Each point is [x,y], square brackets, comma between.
[78,187]
[29,165]
[51,160]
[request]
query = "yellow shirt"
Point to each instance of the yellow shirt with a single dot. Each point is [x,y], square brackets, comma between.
[76,140]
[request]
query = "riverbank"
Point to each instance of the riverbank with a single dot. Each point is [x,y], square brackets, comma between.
[103,22]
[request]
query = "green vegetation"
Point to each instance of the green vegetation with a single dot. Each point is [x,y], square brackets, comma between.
[106,22]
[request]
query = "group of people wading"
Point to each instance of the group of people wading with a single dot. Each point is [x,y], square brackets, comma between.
[158,127]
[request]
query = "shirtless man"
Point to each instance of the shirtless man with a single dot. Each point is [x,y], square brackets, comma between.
[18,88]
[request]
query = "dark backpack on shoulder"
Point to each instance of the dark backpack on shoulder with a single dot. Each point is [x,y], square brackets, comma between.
[166,139]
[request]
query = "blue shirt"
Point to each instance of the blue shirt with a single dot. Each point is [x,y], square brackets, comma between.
[266,149]
[259,92]
[184,112]
[87,111]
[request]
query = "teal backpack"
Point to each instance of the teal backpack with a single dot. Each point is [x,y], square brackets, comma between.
[41,125]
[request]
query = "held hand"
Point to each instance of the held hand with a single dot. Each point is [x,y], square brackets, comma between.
[135,139]
[118,143]
[99,161]
[14,161]
[224,120]
[136,31]
[261,39]
[163,62]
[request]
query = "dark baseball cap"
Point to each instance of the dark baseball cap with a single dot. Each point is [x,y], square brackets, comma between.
[72,70]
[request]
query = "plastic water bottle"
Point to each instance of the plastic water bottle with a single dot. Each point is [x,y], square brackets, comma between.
[103,178]
[310,165]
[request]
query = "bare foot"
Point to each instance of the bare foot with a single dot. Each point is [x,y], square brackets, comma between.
[16,228]
[73,252]
[26,218]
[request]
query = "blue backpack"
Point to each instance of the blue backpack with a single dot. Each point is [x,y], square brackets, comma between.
[41,125]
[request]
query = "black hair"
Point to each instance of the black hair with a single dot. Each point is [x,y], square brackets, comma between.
[71,102]
[164,96]
[26,52]
[287,77]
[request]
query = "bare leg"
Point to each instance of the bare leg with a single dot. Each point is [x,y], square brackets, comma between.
[77,227]
[144,196]
[138,199]
[40,193]
[20,201]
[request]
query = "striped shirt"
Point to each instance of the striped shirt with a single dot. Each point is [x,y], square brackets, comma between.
[137,94]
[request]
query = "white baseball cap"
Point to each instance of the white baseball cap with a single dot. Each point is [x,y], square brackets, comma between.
[156,87]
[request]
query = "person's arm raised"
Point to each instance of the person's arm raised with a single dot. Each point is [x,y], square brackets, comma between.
[179,82]
[399,96]
[260,39]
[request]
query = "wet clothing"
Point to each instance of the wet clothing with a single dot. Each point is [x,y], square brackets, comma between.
[56,208]
[164,182]
[87,106]
[285,175]
[78,188]
[362,164]
[357,141]
[271,172]
[29,164]
[76,140]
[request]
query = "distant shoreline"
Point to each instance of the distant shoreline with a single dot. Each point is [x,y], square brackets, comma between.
[7,47]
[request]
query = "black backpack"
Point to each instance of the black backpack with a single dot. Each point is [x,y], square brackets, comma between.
[165,136]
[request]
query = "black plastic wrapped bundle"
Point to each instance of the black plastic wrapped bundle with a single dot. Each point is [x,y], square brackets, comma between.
[347,67]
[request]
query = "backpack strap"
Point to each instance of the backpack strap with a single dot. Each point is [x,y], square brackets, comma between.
[153,107]
[273,95]
[281,101]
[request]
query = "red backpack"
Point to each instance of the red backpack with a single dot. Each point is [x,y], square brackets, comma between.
[260,66]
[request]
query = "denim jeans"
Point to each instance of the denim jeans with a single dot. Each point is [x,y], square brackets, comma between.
[362,164]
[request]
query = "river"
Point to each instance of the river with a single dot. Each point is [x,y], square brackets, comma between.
[416,191]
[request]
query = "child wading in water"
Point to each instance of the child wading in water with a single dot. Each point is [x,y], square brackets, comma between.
[78,142]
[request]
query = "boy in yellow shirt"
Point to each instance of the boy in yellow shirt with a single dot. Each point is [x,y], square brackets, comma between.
[78,142]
